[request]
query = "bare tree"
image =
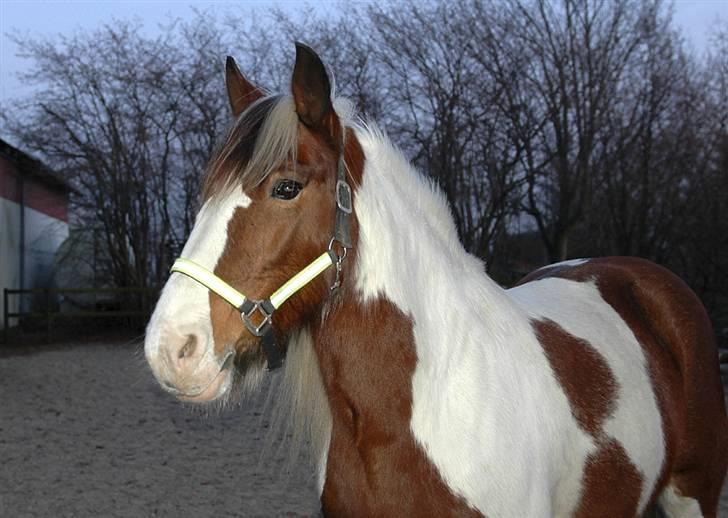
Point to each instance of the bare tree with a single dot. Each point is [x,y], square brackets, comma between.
[640,168]
[445,111]
[578,54]
[702,248]
[586,117]
[115,115]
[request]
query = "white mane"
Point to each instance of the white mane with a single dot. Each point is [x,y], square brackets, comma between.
[473,343]
[406,235]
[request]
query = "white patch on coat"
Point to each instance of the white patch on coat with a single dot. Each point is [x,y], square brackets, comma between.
[184,304]
[299,403]
[579,309]
[675,505]
[562,265]
[487,409]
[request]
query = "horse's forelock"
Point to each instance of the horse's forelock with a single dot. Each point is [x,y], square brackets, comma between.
[259,141]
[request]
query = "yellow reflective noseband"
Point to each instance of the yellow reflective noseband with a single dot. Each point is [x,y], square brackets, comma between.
[265,308]
[246,306]
[209,280]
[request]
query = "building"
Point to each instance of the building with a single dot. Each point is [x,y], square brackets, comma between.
[33,222]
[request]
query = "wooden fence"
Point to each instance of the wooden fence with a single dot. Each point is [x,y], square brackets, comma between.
[48,314]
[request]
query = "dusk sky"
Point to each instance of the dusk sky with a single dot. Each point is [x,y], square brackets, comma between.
[48,18]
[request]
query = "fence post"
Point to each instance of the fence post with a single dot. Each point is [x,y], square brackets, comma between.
[5,316]
[47,295]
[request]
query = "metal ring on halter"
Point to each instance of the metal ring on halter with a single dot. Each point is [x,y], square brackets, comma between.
[264,310]
[341,257]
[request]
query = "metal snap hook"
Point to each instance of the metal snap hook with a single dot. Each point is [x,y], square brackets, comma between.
[337,263]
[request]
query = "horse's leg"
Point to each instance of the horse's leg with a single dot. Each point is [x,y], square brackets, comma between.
[679,340]
[680,325]
[654,511]
[676,505]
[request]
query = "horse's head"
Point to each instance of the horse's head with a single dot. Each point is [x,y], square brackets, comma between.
[272,194]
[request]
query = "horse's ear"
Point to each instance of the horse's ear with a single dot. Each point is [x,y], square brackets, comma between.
[311,87]
[241,92]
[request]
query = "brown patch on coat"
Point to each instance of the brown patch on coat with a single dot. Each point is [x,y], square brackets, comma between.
[674,331]
[584,375]
[375,467]
[612,485]
[272,240]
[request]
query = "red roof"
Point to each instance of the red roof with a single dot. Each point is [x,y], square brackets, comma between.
[43,191]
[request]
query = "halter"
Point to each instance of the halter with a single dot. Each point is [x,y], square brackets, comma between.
[264,308]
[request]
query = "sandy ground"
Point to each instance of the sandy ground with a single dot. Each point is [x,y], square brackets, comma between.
[86,432]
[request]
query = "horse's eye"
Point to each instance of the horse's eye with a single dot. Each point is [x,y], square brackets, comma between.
[287,189]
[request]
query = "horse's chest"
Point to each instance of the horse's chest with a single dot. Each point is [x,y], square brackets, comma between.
[373,470]
[374,465]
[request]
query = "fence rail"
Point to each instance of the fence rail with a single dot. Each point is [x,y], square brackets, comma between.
[48,314]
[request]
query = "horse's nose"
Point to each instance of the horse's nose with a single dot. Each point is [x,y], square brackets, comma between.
[182,355]
[188,348]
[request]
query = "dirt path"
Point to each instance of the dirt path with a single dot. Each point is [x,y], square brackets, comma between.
[86,432]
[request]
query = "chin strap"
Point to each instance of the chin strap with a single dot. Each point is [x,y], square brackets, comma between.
[261,311]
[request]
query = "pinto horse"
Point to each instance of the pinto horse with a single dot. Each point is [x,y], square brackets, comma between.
[590,389]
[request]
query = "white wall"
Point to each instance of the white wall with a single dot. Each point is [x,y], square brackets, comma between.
[9,257]
[43,236]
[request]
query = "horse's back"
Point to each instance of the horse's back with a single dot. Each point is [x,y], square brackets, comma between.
[674,334]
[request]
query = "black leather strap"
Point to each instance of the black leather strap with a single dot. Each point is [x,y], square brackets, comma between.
[271,350]
[246,306]
[273,353]
[344,203]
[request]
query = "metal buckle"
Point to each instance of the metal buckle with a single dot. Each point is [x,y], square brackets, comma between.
[261,329]
[343,196]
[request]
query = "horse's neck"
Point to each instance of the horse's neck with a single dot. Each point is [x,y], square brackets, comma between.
[367,360]
[416,314]
[409,253]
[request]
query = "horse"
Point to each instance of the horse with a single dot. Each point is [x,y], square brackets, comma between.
[591,388]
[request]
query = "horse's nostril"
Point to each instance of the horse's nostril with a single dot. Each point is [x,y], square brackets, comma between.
[188,349]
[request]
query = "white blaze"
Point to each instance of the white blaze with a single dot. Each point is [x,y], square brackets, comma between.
[184,303]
